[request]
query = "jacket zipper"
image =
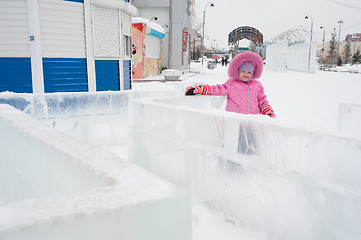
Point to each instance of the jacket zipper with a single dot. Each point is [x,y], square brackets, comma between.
[248,98]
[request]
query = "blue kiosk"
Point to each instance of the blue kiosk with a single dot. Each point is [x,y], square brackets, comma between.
[65,45]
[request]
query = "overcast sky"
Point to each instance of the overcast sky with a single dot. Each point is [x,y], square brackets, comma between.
[272,17]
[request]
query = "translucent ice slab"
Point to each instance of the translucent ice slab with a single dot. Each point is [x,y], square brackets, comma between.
[282,56]
[350,119]
[53,186]
[99,118]
[282,180]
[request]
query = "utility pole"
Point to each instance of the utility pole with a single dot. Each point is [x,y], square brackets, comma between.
[339,37]
[309,50]
[204,18]
[323,43]
[170,38]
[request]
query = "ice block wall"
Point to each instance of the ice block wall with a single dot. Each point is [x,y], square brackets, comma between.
[56,187]
[274,177]
[350,119]
[98,118]
[300,57]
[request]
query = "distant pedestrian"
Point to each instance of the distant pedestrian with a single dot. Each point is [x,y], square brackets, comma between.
[216,60]
[222,61]
[339,62]
[225,61]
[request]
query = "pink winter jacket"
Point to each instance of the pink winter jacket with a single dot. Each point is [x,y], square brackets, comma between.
[246,98]
[243,97]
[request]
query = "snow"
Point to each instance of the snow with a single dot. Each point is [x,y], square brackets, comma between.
[302,101]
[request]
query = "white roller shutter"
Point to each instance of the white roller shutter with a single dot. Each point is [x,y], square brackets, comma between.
[62,29]
[153,47]
[106,32]
[126,24]
[14,33]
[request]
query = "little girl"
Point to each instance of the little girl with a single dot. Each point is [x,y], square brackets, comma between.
[244,93]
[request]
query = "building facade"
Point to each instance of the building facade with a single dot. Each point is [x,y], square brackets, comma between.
[174,17]
[147,39]
[355,37]
[65,45]
[354,41]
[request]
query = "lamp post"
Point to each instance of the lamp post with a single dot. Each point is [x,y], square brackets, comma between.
[204,16]
[309,50]
[339,37]
[323,42]
[213,45]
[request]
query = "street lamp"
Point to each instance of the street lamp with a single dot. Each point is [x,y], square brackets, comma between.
[153,18]
[323,42]
[309,17]
[204,15]
[339,37]
[309,50]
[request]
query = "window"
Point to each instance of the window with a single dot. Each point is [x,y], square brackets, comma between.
[127,45]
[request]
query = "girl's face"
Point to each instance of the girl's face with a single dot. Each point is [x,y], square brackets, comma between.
[244,75]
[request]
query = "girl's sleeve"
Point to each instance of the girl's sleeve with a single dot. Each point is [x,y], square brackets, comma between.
[220,89]
[262,98]
[263,104]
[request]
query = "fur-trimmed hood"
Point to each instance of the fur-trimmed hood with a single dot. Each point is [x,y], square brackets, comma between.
[244,57]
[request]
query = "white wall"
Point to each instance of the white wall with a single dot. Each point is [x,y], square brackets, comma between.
[147,3]
[300,57]
[178,18]
[278,179]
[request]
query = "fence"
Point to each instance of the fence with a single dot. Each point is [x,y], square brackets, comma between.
[299,57]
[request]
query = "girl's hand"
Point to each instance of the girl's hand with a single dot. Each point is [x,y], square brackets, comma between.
[267,110]
[193,90]
[201,89]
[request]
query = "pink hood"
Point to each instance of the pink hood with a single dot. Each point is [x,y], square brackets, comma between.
[243,97]
[244,57]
